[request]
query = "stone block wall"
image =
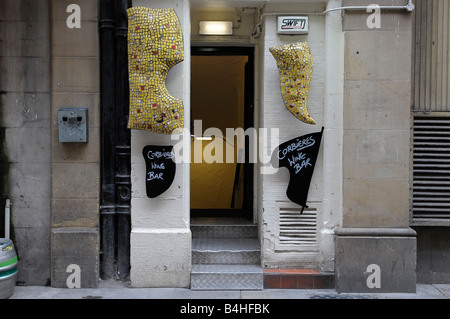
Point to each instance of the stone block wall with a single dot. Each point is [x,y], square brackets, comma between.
[376,119]
[25,137]
[75,166]
[376,146]
[54,186]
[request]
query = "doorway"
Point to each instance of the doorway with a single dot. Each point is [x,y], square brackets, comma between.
[221,174]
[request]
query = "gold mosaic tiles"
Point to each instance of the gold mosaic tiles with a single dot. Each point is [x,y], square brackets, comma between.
[155,45]
[295,64]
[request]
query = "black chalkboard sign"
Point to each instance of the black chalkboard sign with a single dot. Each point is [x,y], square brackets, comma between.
[160,169]
[299,156]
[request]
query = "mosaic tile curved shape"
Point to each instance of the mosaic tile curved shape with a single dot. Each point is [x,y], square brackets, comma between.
[295,63]
[155,45]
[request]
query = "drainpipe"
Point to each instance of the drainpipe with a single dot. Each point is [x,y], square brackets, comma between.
[108,137]
[122,148]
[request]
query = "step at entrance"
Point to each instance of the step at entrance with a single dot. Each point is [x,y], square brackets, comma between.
[225,251]
[225,255]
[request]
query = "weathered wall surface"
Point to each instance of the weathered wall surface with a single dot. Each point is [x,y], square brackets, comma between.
[433,255]
[75,166]
[376,145]
[54,187]
[376,119]
[25,132]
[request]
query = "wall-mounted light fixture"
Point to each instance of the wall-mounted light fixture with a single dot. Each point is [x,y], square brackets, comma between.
[216,28]
[201,138]
[204,138]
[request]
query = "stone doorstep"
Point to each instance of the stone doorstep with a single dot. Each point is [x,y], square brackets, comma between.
[297,279]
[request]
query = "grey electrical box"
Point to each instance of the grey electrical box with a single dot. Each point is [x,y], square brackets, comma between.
[73,125]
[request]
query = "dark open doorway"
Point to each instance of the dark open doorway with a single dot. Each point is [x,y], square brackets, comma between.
[222,86]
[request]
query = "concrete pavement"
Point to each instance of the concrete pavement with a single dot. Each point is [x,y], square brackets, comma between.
[113,298]
[118,290]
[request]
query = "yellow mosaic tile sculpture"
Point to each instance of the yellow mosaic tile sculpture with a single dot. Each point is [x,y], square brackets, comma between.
[295,64]
[155,45]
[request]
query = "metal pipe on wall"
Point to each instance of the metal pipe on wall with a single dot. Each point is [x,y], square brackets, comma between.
[408,7]
[108,138]
[123,140]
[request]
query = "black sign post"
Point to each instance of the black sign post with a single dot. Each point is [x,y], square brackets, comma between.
[160,169]
[299,156]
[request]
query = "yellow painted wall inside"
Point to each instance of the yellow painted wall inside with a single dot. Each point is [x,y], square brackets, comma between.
[217,98]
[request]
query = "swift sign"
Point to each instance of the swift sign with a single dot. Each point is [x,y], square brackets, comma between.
[292,25]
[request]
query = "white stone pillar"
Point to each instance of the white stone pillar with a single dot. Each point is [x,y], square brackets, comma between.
[332,140]
[160,252]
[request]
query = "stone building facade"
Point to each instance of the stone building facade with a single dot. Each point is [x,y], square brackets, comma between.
[357,234]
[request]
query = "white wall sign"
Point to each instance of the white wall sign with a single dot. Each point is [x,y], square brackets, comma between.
[292,25]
